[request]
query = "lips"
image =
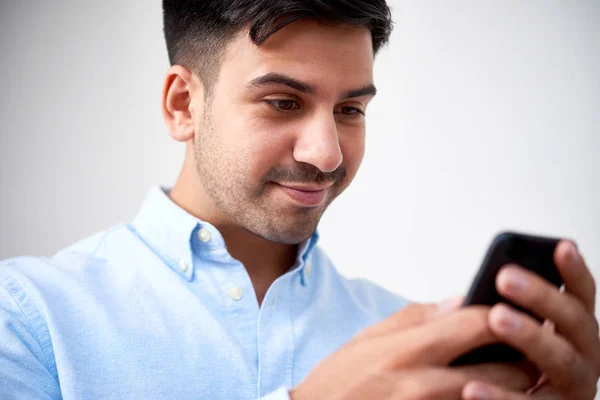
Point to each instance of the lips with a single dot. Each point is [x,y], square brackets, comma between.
[306,196]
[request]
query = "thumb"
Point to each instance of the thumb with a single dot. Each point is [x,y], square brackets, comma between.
[410,316]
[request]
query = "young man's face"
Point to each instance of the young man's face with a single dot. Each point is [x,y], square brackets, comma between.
[284,133]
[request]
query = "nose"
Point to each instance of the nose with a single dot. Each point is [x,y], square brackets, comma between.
[318,144]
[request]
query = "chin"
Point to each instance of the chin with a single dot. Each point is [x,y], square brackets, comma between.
[290,234]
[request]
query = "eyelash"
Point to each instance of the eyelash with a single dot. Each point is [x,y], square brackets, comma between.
[274,103]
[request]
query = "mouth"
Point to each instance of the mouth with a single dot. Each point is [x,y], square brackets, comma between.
[305,195]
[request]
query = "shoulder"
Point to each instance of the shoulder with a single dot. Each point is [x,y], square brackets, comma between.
[86,254]
[364,294]
[35,292]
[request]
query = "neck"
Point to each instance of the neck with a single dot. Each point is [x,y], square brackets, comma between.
[264,260]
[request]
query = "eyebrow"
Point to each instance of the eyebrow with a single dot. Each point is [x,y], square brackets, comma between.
[369,90]
[274,78]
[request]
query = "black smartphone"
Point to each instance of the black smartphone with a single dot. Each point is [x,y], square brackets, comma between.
[534,253]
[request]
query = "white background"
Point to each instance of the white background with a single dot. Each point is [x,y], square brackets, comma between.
[487,119]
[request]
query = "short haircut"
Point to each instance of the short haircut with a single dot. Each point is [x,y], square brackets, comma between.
[198,31]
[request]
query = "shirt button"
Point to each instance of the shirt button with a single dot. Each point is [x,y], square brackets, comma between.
[204,235]
[235,293]
[182,265]
[307,269]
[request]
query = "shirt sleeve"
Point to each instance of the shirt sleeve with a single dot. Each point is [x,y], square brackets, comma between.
[24,372]
[280,394]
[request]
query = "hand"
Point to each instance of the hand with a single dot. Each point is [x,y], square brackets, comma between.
[569,357]
[406,357]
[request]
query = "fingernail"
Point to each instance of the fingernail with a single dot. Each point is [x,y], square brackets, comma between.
[477,392]
[506,319]
[449,305]
[514,281]
[573,255]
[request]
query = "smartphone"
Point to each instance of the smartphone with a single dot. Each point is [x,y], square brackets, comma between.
[534,253]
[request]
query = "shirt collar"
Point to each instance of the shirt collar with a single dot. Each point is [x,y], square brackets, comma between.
[168,230]
[303,263]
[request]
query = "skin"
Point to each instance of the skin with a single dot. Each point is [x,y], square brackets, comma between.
[569,355]
[255,137]
[258,132]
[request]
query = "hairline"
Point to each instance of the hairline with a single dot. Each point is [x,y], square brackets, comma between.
[221,53]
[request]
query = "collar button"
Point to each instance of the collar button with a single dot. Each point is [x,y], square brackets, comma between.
[204,235]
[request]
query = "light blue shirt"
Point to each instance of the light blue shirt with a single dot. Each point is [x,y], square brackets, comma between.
[158,309]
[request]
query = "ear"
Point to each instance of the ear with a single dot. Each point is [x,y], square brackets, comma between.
[179,105]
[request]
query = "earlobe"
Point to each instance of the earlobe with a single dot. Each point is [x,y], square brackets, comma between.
[177,106]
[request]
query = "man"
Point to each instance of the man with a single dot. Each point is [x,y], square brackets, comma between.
[218,290]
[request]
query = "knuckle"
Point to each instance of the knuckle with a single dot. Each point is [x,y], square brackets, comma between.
[577,317]
[542,299]
[571,361]
[572,379]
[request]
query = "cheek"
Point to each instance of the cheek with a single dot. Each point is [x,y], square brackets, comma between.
[257,147]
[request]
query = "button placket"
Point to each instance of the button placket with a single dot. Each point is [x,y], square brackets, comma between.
[275,326]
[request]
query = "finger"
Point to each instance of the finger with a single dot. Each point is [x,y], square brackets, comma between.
[411,315]
[576,275]
[424,384]
[427,384]
[441,340]
[567,371]
[514,376]
[566,311]
[485,391]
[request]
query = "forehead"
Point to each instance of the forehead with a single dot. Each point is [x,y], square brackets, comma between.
[332,58]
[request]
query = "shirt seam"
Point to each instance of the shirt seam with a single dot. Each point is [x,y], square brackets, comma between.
[96,252]
[35,334]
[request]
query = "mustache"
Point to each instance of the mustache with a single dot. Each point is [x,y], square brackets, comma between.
[304,173]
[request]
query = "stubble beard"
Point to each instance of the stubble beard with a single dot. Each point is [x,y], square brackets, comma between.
[243,205]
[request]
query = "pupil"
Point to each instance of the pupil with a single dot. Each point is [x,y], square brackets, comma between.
[286,105]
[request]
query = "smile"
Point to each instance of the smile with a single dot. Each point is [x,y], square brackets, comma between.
[306,196]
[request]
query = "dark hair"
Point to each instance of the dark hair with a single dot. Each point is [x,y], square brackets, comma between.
[197,31]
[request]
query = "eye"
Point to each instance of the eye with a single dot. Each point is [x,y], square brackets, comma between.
[285,105]
[350,111]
